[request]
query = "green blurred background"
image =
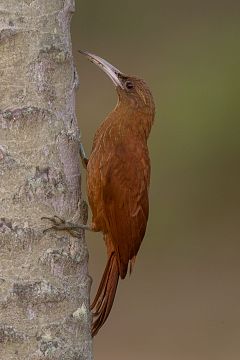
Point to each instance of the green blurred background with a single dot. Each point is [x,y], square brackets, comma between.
[183,299]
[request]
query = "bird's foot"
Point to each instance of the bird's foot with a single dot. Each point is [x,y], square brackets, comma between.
[83,155]
[62,225]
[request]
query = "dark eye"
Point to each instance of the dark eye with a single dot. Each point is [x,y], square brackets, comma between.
[129,85]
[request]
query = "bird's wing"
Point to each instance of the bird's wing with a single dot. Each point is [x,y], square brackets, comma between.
[125,199]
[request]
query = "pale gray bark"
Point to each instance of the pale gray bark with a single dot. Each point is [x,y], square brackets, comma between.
[44,282]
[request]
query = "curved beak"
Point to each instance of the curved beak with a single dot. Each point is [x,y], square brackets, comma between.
[114,74]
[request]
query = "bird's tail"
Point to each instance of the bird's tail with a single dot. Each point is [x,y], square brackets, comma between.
[104,298]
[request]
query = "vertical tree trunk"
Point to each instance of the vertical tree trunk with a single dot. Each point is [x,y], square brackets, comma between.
[44,283]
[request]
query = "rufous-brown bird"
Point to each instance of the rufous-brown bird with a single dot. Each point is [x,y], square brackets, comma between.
[118,175]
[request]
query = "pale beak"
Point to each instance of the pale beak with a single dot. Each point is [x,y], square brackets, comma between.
[114,74]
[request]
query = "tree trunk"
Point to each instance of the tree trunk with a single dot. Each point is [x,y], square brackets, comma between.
[44,282]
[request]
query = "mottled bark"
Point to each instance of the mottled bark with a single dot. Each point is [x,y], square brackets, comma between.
[44,282]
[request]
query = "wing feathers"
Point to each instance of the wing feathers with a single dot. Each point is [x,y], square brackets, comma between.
[125,201]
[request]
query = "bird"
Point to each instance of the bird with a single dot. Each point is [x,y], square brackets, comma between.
[118,179]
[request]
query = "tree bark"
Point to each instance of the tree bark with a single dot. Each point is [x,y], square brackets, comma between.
[44,282]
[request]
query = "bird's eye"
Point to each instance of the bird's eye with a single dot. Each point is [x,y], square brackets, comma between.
[129,85]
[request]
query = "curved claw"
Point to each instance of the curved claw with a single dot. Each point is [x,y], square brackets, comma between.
[58,223]
[54,219]
[60,219]
[48,229]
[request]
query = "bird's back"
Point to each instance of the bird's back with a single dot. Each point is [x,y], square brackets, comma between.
[118,182]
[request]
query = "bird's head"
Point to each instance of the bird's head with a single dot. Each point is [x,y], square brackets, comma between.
[131,90]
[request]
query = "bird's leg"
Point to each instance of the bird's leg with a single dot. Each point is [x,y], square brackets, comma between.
[61,225]
[83,155]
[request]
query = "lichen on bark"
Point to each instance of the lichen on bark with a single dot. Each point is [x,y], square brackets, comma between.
[44,282]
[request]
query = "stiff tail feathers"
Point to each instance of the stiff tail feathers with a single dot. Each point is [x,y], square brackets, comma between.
[104,298]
